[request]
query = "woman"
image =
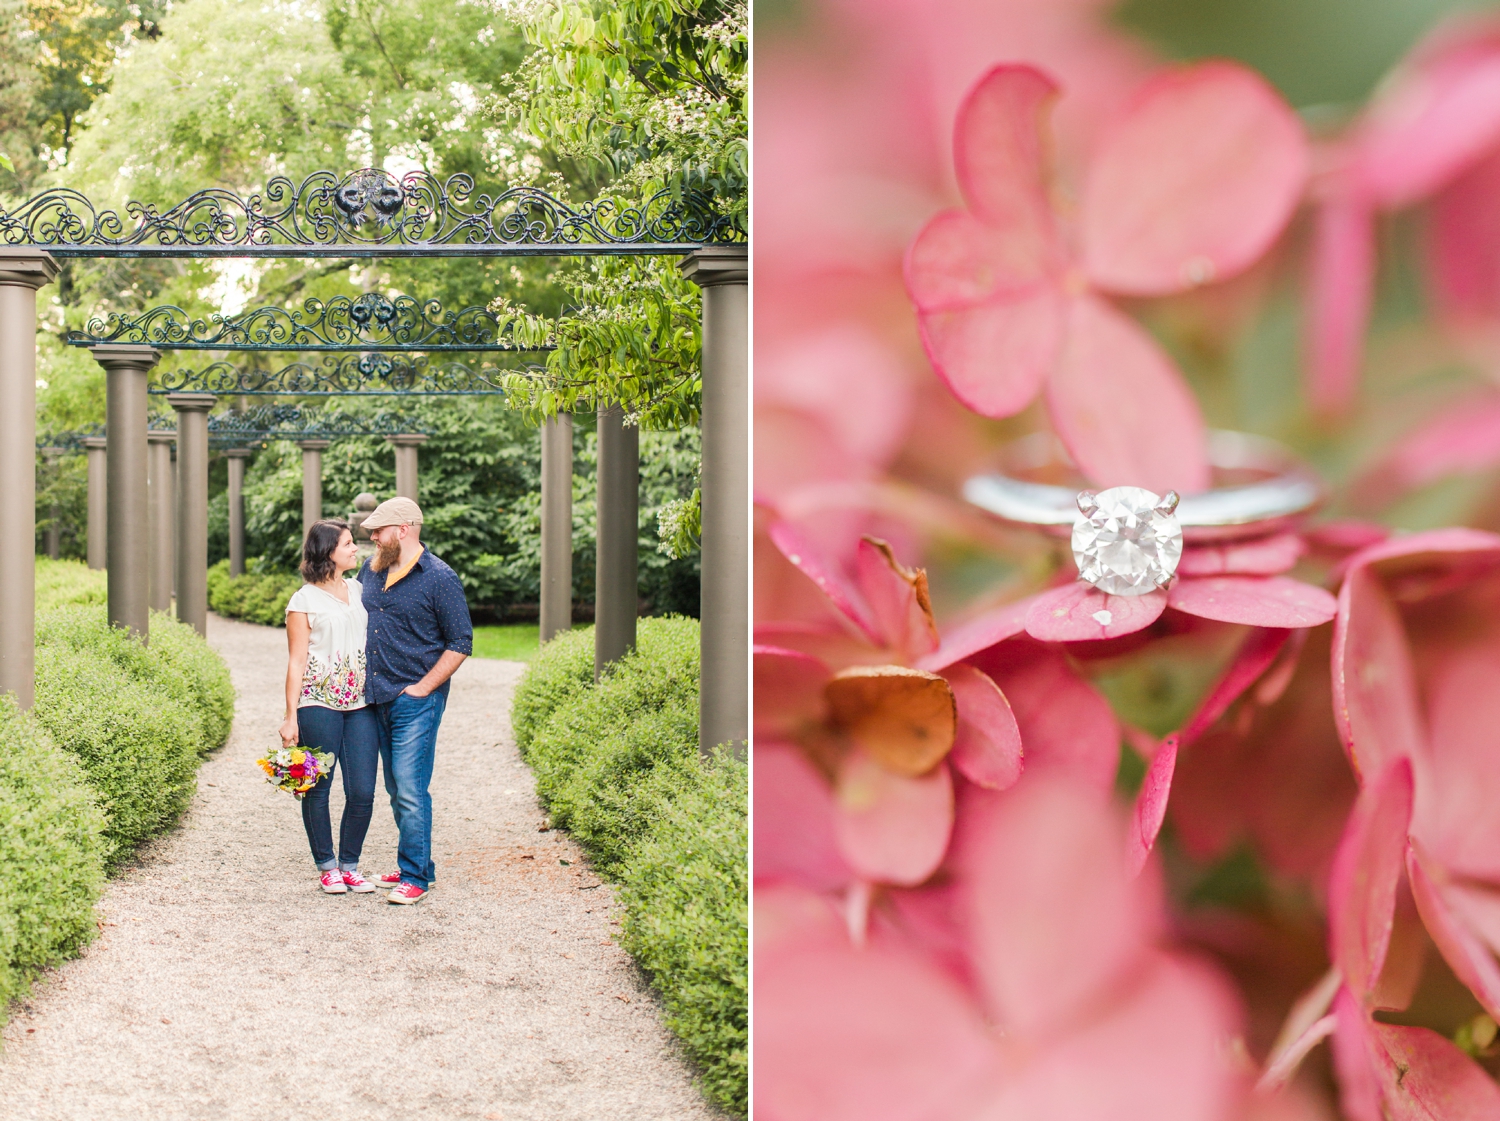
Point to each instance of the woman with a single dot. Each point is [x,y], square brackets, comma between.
[325,699]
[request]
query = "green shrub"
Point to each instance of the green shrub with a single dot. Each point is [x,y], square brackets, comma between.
[254,597]
[182,663]
[617,765]
[175,662]
[563,667]
[52,852]
[61,582]
[135,716]
[685,890]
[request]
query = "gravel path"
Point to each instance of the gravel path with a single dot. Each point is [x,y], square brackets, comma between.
[226,986]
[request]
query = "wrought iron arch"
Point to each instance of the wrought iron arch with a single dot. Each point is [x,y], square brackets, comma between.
[371,321]
[363,374]
[368,213]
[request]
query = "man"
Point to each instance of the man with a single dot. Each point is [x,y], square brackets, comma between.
[419,633]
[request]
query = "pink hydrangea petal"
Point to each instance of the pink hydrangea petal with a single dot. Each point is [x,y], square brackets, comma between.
[1160,214]
[1426,1076]
[897,598]
[1374,685]
[987,745]
[1066,727]
[995,356]
[1151,804]
[979,633]
[1265,556]
[1257,601]
[1000,153]
[1456,816]
[1079,612]
[1357,1060]
[842,1035]
[1460,440]
[1342,282]
[1158,1054]
[788,691]
[1431,122]
[1470,959]
[1366,872]
[1418,566]
[794,836]
[1254,657]
[958,261]
[836,649]
[1056,917]
[892,828]
[798,548]
[1463,243]
[1283,1064]
[1122,409]
[789,917]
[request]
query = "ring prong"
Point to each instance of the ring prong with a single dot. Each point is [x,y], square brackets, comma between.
[1168,502]
[1165,581]
[1088,502]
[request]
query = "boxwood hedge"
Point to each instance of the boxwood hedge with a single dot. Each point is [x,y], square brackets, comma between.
[106,757]
[52,852]
[617,765]
[254,597]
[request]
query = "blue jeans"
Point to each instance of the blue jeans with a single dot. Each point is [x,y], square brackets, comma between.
[354,742]
[408,743]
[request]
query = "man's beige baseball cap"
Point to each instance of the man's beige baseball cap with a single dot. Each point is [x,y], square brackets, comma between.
[394,511]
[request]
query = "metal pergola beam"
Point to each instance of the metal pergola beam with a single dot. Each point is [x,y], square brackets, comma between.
[367,213]
[368,322]
[365,374]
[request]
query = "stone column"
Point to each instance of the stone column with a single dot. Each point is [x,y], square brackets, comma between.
[724,690]
[616,526]
[237,458]
[22,272]
[94,448]
[312,481]
[163,517]
[192,507]
[128,551]
[406,445]
[557,525]
[51,456]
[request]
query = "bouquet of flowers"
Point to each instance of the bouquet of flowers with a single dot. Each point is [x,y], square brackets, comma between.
[294,769]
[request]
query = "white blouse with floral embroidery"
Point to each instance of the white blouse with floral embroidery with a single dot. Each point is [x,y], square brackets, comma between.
[335,674]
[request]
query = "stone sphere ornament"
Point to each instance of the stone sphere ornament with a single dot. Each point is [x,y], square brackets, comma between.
[1126,540]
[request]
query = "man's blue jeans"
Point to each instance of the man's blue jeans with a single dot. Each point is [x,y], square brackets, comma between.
[408,742]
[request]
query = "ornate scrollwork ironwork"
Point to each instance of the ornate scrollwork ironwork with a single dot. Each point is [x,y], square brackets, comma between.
[369,374]
[296,422]
[369,322]
[367,213]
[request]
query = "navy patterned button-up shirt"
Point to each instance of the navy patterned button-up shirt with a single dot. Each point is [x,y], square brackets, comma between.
[423,614]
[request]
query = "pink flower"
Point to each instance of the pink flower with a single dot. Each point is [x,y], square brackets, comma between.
[884,731]
[1434,117]
[1418,617]
[1246,588]
[1011,303]
[1384,1070]
[1067,1008]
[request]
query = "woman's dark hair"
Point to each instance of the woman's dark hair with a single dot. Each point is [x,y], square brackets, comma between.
[317,550]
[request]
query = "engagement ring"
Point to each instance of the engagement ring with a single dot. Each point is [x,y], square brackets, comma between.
[1127,540]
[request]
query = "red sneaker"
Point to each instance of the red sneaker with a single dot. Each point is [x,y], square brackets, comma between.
[332,881]
[357,883]
[387,880]
[406,893]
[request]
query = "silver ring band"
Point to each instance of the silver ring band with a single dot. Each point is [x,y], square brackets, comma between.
[1282,492]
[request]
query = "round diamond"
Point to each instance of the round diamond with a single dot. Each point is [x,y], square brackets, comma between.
[1126,544]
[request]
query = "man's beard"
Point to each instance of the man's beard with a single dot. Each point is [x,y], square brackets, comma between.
[386,554]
